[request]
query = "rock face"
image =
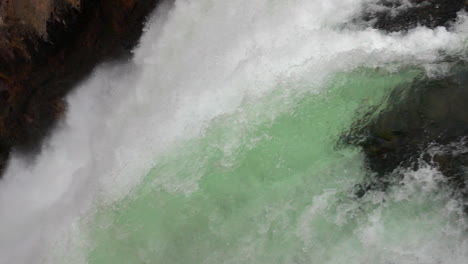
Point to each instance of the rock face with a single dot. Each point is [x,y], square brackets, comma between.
[46,47]
[426,122]
[398,15]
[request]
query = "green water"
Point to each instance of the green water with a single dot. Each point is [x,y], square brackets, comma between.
[268,184]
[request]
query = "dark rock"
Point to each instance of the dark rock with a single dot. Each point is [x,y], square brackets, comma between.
[425,122]
[46,47]
[401,15]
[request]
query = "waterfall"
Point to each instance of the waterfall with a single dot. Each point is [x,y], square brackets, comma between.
[185,154]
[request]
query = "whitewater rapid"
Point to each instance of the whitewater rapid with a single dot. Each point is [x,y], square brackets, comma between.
[197,62]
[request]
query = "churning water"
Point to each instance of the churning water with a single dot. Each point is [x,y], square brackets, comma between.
[217,143]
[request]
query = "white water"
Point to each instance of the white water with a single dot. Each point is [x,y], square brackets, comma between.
[198,60]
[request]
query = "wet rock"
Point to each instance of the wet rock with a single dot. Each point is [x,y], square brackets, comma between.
[425,122]
[401,15]
[46,47]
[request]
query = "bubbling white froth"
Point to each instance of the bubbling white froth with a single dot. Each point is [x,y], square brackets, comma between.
[387,227]
[196,61]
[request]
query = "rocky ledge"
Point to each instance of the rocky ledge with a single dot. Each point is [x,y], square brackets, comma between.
[46,47]
[401,15]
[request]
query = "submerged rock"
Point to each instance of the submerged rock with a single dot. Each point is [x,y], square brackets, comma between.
[400,15]
[46,47]
[424,123]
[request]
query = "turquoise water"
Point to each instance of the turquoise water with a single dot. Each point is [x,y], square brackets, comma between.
[276,188]
[218,142]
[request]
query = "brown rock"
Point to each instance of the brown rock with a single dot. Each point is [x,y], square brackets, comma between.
[46,47]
